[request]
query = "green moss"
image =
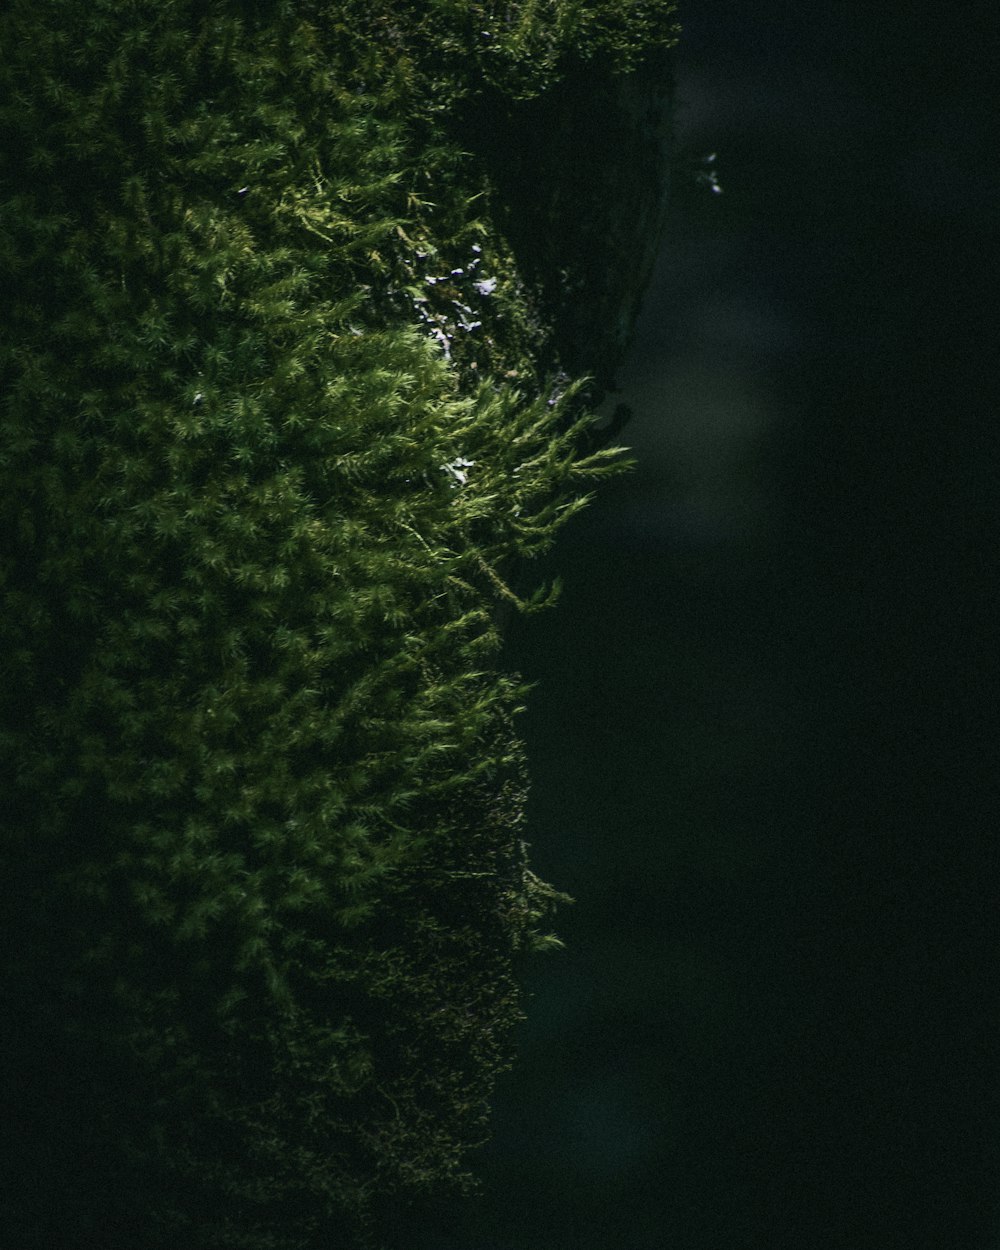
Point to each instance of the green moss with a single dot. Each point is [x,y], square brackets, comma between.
[275,422]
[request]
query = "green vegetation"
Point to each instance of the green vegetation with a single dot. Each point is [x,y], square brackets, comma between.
[276,422]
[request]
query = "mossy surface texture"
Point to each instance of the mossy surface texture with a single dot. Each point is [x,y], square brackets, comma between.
[275,422]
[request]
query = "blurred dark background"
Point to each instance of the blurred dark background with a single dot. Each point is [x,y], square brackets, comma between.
[764,742]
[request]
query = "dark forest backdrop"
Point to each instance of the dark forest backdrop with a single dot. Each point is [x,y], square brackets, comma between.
[765,736]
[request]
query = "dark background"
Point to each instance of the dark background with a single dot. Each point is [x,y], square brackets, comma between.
[764,738]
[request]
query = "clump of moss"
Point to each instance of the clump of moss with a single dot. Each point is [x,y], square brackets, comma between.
[273,426]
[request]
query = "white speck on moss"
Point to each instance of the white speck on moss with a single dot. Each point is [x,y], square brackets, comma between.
[457,469]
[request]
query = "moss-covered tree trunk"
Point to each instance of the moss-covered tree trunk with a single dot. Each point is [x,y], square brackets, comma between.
[273,426]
